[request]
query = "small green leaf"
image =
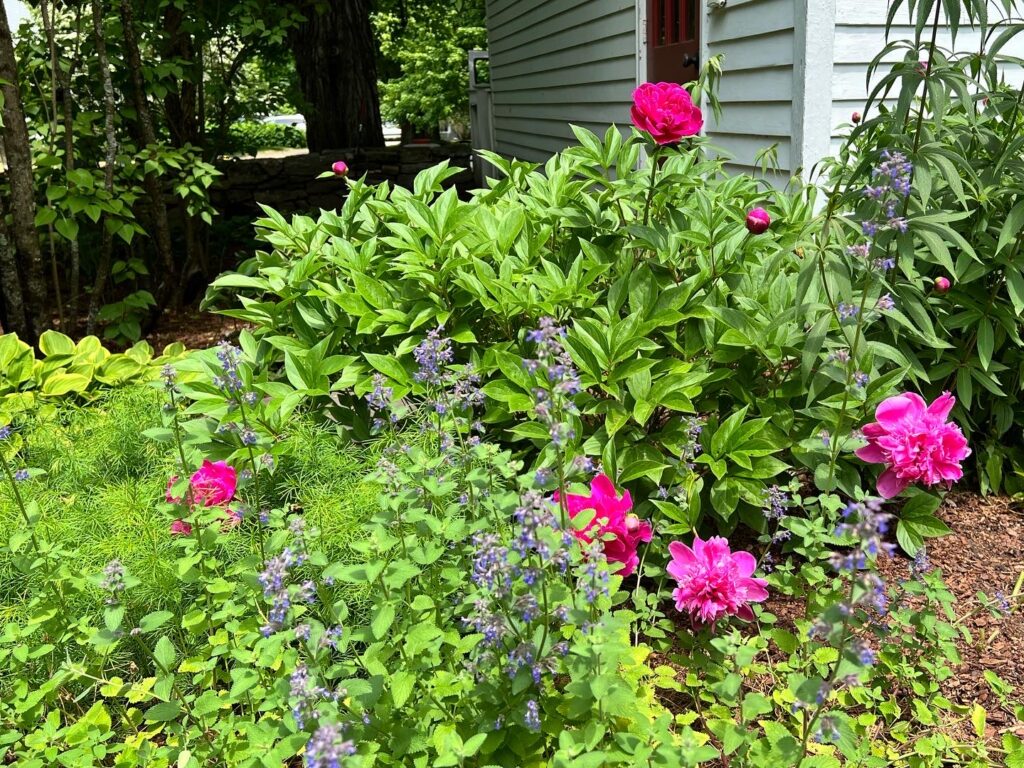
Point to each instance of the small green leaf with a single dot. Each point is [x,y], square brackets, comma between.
[163,712]
[383,620]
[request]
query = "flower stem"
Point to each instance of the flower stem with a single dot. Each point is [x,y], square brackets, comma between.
[654,178]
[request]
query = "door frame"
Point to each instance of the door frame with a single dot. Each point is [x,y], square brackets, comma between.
[642,43]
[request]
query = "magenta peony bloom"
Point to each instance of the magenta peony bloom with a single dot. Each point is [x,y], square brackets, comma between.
[611,516]
[180,528]
[758,221]
[340,168]
[915,442]
[213,484]
[942,285]
[666,112]
[713,581]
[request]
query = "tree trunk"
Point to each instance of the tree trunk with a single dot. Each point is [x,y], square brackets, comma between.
[19,174]
[180,103]
[15,320]
[335,57]
[161,229]
[55,79]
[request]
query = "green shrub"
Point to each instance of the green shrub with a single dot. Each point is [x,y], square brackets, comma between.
[960,124]
[249,137]
[481,621]
[677,315]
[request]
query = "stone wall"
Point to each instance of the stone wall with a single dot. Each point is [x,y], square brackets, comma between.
[290,184]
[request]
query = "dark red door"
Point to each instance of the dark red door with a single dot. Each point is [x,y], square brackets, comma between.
[673,40]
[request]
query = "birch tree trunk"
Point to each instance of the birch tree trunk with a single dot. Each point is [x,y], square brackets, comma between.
[110,161]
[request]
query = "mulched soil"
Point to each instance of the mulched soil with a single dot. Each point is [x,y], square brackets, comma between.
[984,553]
[194,329]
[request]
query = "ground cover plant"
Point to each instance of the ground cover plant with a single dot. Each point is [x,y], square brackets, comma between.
[640,440]
[98,447]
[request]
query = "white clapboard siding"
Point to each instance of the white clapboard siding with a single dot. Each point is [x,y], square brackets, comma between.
[860,35]
[556,62]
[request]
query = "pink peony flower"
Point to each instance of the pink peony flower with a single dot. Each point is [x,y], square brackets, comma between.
[340,168]
[942,285]
[180,528]
[915,442]
[213,484]
[758,221]
[611,516]
[666,112]
[713,581]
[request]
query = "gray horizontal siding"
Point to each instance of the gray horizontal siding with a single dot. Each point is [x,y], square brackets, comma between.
[756,40]
[556,62]
[860,36]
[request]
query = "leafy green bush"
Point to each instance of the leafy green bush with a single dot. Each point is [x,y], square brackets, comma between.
[959,123]
[424,50]
[678,316]
[249,137]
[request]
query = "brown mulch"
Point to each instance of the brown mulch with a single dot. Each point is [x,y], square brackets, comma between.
[193,328]
[984,553]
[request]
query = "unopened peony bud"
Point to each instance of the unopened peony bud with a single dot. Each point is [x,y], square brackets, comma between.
[758,221]
[942,285]
[855,117]
[340,168]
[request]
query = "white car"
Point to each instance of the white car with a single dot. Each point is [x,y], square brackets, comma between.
[295,121]
[392,133]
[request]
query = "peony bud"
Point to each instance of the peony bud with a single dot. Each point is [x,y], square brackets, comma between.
[340,168]
[855,117]
[942,285]
[632,522]
[758,221]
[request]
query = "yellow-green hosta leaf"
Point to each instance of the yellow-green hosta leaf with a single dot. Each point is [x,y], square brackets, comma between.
[59,384]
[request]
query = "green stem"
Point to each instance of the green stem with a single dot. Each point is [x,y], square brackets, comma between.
[13,482]
[255,473]
[844,640]
[654,178]
[920,120]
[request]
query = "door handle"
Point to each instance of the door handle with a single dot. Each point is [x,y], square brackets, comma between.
[689,59]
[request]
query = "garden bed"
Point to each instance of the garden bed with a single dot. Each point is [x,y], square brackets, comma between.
[984,553]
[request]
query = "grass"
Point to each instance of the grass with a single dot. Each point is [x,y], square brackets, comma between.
[104,481]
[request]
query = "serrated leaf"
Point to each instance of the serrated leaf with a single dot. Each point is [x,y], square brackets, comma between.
[163,712]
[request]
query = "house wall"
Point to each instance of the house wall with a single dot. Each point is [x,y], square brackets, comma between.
[555,62]
[793,71]
[860,35]
[756,39]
